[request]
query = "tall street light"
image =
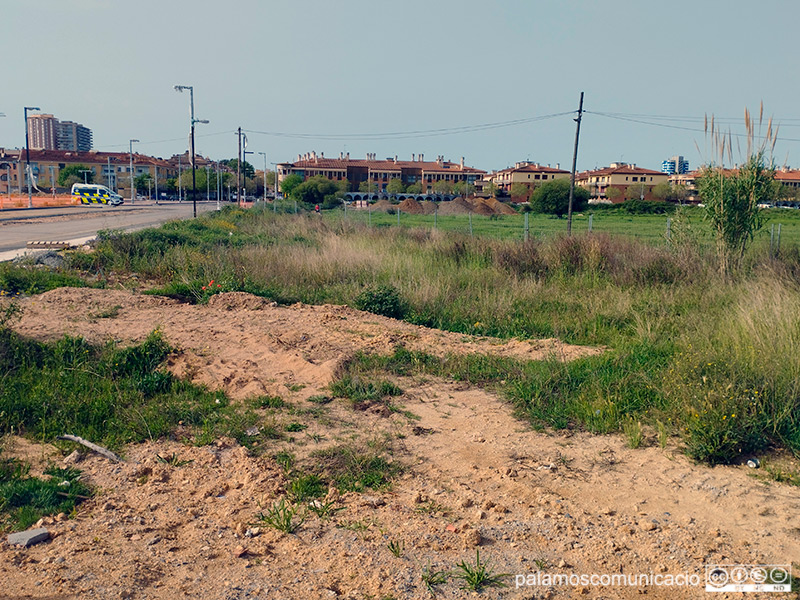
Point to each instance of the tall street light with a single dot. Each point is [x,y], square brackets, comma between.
[264,154]
[28,156]
[133,192]
[180,88]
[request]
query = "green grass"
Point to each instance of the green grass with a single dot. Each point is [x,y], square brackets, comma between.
[480,575]
[109,395]
[356,467]
[24,279]
[281,516]
[363,393]
[25,499]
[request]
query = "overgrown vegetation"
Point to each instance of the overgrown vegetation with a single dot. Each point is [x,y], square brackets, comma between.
[734,197]
[699,355]
[109,395]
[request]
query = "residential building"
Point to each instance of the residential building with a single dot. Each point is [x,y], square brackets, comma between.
[378,173]
[527,173]
[9,171]
[45,132]
[42,132]
[112,169]
[627,179]
[676,165]
[73,136]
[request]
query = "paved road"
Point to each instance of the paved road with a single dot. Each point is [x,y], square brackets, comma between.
[79,223]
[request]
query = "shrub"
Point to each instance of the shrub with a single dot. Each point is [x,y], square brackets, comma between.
[382,300]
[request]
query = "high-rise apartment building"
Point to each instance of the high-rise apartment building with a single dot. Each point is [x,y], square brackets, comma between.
[45,132]
[73,136]
[42,132]
[675,166]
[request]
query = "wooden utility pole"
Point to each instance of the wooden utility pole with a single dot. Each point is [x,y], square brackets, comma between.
[239,172]
[574,162]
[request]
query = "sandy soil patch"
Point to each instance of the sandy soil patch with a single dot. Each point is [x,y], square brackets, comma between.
[474,477]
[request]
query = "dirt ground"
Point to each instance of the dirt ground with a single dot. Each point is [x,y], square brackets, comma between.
[474,478]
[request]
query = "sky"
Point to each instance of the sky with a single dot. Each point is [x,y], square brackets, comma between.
[495,82]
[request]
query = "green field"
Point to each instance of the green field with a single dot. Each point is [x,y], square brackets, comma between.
[647,228]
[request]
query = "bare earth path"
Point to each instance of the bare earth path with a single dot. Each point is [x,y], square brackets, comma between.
[475,478]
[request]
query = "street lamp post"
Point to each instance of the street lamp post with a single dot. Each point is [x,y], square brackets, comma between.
[133,191]
[180,88]
[275,189]
[264,154]
[28,156]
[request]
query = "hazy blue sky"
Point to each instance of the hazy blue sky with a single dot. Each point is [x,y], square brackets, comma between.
[339,68]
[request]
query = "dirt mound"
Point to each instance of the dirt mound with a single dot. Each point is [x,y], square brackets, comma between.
[411,206]
[223,345]
[457,206]
[237,301]
[498,207]
[479,207]
[428,207]
[383,206]
[475,477]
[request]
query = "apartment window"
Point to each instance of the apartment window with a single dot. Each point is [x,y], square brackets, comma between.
[634,179]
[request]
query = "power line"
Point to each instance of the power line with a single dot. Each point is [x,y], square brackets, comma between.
[413,133]
[180,139]
[620,117]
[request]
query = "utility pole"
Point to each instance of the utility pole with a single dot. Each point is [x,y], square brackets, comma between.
[108,173]
[265,176]
[180,189]
[239,171]
[133,191]
[180,88]
[208,186]
[574,162]
[155,184]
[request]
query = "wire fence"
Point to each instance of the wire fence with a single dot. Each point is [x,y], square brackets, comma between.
[780,229]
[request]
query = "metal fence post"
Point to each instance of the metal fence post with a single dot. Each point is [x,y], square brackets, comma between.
[527,228]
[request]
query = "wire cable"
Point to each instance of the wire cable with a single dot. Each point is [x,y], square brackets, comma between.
[410,134]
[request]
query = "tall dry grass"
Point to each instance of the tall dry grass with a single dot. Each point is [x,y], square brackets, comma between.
[687,345]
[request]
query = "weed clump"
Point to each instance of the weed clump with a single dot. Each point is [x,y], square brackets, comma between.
[382,300]
[25,499]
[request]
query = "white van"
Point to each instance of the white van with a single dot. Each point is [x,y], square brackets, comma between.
[89,193]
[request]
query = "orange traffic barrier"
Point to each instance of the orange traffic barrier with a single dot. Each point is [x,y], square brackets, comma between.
[16,201]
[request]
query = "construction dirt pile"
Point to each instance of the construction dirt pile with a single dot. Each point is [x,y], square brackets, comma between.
[383,206]
[411,206]
[473,478]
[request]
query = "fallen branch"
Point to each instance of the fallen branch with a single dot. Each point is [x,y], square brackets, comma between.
[99,449]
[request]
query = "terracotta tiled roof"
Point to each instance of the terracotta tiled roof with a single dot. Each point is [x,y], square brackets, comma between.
[532,169]
[380,165]
[74,157]
[793,175]
[622,170]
